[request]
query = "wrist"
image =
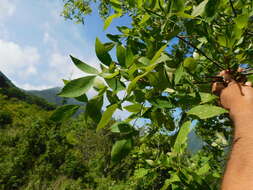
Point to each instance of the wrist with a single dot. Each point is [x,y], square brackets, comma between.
[243,123]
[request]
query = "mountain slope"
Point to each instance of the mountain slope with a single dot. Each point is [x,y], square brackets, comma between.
[8,89]
[51,96]
[5,82]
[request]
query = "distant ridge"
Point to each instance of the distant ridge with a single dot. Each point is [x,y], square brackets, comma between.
[5,82]
[11,91]
[51,96]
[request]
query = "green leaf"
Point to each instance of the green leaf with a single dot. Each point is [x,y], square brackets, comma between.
[203,170]
[107,116]
[109,20]
[199,10]
[161,102]
[121,55]
[150,162]
[184,15]
[144,19]
[116,5]
[102,53]
[178,74]
[109,46]
[242,21]
[77,87]
[222,41]
[133,108]
[99,84]
[144,60]
[206,111]
[93,108]
[129,57]
[109,75]
[190,63]
[211,7]
[153,63]
[140,173]
[121,127]
[121,149]
[178,5]
[174,178]
[158,54]
[182,137]
[64,112]
[115,84]
[207,97]
[83,66]
[82,98]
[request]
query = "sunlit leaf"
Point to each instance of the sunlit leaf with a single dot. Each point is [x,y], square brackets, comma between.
[109,20]
[199,9]
[140,173]
[83,66]
[107,116]
[206,111]
[242,21]
[77,87]
[121,55]
[190,63]
[179,74]
[182,137]
[133,108]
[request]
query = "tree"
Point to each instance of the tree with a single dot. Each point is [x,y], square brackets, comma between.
[165,63]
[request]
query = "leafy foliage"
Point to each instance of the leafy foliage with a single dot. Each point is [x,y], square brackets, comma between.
[164,61]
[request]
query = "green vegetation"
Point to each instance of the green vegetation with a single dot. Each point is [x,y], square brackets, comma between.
[163,61]
[37,153]
[11,91]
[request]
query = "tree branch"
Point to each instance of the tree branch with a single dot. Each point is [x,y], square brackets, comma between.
[232,6]
[201,52]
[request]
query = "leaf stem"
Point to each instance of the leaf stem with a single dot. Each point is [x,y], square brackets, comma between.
[201,52]
[152,12]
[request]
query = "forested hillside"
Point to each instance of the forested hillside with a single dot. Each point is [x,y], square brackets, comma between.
[51,96]
[10,90]
[36,153]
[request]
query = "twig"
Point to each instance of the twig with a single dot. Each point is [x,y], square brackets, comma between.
[152,12]
[233,9]
[160,5]
[200,51]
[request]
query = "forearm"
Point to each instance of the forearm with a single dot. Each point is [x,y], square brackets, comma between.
[239,172]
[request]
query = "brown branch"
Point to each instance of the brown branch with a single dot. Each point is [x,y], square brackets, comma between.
[232,6]
[201,52]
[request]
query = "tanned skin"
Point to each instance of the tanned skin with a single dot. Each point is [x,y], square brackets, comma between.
[238,99]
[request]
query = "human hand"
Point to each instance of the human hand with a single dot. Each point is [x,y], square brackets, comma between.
[235,97]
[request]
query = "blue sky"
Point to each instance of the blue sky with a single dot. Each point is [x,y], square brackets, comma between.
[35,42]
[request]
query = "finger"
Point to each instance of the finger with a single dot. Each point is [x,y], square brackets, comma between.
[248,84]
[217,87]
[240,69]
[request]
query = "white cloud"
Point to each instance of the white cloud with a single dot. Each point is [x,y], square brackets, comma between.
[18,60]
[7,8]
[60,67]
[27,86]
[50,41]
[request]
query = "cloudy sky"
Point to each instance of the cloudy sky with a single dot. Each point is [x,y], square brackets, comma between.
[35,42]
